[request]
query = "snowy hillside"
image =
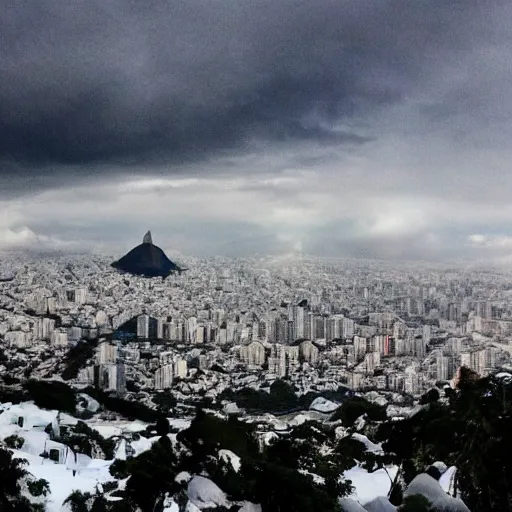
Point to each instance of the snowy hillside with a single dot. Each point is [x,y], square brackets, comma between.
[37,436]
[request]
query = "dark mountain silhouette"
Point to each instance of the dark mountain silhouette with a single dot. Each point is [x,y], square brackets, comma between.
[147,260]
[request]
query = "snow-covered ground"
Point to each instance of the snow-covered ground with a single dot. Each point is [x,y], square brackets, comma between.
[116,428]
[368,486]
[84,474]
[28,422]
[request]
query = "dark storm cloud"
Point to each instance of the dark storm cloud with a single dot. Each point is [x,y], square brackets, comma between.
[92,86]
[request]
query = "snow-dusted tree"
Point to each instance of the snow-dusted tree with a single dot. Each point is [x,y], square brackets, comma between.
[19,490]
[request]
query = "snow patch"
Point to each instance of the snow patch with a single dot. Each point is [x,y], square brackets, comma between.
[350,505]
[229,456]
[368,486]
[380,504]
[449,504]
[321,404]
[206,494]
[370,447]
[427,486]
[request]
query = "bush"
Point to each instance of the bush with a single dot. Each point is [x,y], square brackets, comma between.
[129,409]
[52,395]
[14,442]
[431,396]
[12,472]
[354,407]
[207,434]
[472,433]
[165,401]
[79,501]
[81,438]
[38,487]
[415,503]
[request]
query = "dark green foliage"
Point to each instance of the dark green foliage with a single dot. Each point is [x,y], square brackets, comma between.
[472,433]
[12,471]
[79,501]
[10,380]
[152,475]
[431,396]
[127,408]
[354,407]
[207,434]
[270,477]
[164,401]
[52,395]
[281,398]
[77,358]
[484,464]
[109,486]
[38,487]
[81,438]
[15,442]
[421,440]
[100,504]
[119,469]
[300,451]
[278,488]
[13,394]
[162,426]
[415,503]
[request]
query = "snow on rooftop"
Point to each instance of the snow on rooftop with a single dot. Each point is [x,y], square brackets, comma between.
[31,415]
[113,429]
[89,472]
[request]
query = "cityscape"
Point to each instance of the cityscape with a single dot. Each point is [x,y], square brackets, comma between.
[320,323]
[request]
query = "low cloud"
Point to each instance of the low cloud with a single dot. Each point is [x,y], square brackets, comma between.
[241,217]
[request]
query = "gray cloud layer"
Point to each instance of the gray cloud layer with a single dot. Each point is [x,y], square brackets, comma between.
[396,110]
[121,82]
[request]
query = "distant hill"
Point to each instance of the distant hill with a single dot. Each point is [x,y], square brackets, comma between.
[147,260]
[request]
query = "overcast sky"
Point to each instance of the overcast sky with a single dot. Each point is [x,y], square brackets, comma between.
[336,127]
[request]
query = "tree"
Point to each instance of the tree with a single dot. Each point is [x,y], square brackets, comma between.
[162,426]
[13,475]
[354,407]
[15,442]
[472,433]
[431,396]
[152,476]
[79,501]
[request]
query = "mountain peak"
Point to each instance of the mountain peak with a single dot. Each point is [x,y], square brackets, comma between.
[147,260]
[147,238]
